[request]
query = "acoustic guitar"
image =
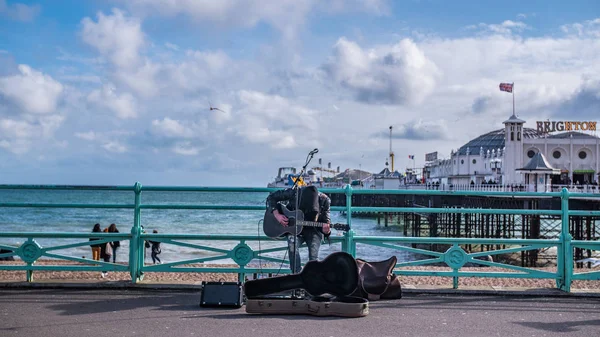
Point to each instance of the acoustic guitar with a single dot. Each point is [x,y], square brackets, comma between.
[275,230]
[337,275]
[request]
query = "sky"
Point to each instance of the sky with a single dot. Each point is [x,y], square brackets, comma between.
[113,92]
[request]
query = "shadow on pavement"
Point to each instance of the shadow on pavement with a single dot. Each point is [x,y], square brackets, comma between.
[569,326]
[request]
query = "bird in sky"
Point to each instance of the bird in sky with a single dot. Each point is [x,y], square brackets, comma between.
[595,261]
[211,108]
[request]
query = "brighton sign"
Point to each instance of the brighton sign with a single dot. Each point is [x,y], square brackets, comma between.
[552,126]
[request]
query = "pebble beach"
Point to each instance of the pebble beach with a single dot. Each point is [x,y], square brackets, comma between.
[191,278]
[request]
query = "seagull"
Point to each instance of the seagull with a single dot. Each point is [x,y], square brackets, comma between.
[211,108]
[591,259]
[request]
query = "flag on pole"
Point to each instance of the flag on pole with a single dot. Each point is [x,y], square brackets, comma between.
[508,87]
[411,156]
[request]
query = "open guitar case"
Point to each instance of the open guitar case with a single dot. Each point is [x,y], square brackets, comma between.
[330,283]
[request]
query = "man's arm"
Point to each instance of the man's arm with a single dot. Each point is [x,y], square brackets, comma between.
[273,204]
[275,197]
[325,213]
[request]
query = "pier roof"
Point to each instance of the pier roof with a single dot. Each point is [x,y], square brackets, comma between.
[574,134]
[493,140]
[539,164]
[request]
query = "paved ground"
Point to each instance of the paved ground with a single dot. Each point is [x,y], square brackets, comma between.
[51,312]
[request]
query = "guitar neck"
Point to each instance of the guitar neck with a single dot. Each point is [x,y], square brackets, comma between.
[311,223]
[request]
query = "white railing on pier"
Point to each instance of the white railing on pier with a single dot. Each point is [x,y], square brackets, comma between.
[501,188]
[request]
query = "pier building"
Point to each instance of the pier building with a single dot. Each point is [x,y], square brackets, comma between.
[554,153]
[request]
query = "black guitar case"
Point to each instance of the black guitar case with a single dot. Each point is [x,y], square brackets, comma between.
[337,275]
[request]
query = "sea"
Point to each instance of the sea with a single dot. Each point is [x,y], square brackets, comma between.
[212,222]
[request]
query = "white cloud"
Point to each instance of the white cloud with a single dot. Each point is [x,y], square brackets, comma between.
[395,74]
[274,120]
[31,90]
[170,128]
[19,11]
[18,136]
[186,149]
[589,28]
[420,130]
[90,135]
[505,28]
[287,16]
[123,105]
[172,46]
[115,36]
[114,146]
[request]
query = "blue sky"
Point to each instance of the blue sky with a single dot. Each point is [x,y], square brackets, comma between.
[113,92]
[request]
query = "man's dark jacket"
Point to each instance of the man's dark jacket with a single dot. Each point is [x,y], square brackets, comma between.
[275,200]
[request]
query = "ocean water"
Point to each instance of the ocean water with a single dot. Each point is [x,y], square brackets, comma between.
[74,220]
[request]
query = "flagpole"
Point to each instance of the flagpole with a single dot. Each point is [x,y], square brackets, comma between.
[513,92]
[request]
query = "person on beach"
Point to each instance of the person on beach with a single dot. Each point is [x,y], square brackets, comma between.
[315,206]
[106,252]
[155,249]
[115,244]
[96,248]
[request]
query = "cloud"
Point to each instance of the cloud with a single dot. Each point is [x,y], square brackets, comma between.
[583,103]
[274,121]
[397,74]
[418,130]
[172,46]
[170,128]
[481,104]
[19,136]
[505,28]
[113,146]
[117,37]
[90,135]
[377,7]
[123,105]
[186,149]
[589,28]
[286,16]
[31,90]
[19,11]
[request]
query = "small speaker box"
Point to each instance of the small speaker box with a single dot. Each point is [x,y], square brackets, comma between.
[221,295]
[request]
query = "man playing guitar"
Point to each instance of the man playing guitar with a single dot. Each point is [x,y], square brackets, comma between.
[315,206]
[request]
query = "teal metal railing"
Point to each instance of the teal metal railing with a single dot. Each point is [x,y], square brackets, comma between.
[240,247]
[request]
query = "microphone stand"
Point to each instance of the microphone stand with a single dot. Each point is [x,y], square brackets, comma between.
[295,186]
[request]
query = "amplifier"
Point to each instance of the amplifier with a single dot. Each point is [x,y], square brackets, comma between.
[221,295]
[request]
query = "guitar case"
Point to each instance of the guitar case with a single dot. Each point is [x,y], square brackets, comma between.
[343,306]
[336,275]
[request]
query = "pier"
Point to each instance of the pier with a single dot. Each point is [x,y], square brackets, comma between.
[475,225]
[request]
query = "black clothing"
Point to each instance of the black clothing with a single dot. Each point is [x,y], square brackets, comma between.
[310,200]
[94,239]
[155,251]
[115,244]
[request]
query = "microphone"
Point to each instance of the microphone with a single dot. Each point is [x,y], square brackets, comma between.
[315,151]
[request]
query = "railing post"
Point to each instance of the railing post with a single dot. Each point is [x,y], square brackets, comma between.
[136,246]
[348,245]
[565,255]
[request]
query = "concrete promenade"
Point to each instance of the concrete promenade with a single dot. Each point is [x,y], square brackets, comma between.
[174,311]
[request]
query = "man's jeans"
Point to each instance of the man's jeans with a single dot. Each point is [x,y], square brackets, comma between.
[312,238]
